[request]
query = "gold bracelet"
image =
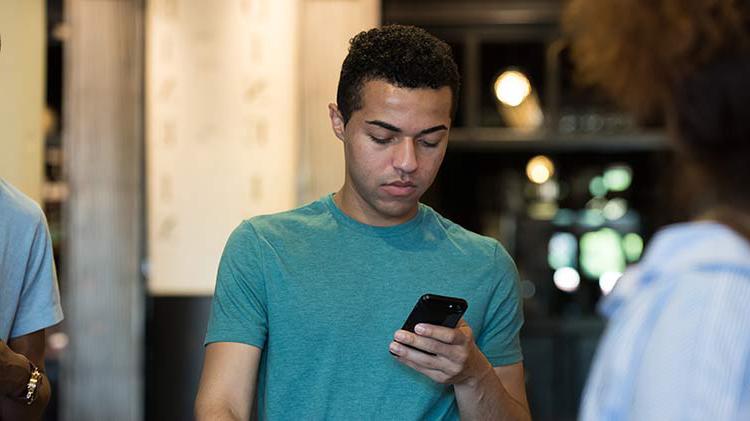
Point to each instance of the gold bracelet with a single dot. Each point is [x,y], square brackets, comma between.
[31,387]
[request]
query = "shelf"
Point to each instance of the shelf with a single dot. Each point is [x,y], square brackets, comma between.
[472,12]
[503,139]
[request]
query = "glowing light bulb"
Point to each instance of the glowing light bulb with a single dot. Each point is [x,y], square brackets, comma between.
[512,87]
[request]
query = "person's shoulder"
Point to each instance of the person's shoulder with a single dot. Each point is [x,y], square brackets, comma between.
[15,206]
[463,238]
[281,223]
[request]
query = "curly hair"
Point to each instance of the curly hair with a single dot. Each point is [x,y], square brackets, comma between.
[686,60]
[404,56]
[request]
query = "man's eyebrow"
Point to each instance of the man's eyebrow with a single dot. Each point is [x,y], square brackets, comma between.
[393,128]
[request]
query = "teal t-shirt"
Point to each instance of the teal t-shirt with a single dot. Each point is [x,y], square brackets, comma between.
[322,295]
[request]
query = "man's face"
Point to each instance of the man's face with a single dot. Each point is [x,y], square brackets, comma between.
[393,147]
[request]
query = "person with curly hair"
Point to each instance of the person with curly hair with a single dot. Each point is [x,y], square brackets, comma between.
[308,302]
[677,345]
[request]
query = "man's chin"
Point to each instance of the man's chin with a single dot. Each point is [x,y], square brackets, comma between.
[399,209]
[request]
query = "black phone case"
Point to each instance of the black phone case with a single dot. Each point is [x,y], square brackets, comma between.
[436,310]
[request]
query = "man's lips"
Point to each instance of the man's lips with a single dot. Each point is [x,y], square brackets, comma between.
[400,188]
[401,184]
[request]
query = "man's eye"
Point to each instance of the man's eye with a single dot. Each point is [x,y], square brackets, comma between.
[380,140]
[429,144]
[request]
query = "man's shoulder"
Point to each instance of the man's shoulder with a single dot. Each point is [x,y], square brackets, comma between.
[302,218]
[17,208]
[463,238]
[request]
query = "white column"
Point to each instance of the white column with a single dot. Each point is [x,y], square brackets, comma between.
[103,295]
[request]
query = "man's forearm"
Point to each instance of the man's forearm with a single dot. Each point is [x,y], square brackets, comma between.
[487,399]
[203,413]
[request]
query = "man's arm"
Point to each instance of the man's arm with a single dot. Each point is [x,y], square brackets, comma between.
[499,395]
[227,385]
[15,374]
[483,392]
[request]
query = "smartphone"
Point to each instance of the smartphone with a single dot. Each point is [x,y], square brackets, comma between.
[435,310]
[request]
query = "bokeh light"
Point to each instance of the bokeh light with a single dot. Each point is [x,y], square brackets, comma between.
[566,279]
[512,87]
[601,252]
[615,209]
[564,217]
[539,169]
[597,188]
[608,280]
[562,250]
[528,289]
[632,245]
[618,177]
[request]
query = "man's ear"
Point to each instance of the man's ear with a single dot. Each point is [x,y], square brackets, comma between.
[337,121]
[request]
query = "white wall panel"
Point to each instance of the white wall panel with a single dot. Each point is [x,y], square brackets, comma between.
[22,61]
[222,129]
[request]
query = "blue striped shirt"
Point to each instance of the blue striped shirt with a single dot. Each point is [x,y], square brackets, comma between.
[677,346]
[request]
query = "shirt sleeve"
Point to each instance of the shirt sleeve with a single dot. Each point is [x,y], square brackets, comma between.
[499,339]
[239,310]
[39,304]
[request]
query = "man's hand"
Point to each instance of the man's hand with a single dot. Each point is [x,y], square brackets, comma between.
[14,376]
[457,359]
[14,372]
[483,392]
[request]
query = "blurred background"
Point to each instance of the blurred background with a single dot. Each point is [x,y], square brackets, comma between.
[148,129]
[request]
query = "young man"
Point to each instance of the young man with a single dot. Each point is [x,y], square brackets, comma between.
[29,303]
[309,302]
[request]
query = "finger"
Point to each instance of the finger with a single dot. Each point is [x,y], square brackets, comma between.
[422,360]
[422,343]
[435,375]
[441,333]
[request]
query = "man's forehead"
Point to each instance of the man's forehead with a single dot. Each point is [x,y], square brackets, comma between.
[384,96]
[383,85]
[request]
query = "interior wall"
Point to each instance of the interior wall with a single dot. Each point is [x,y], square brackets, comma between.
[327,26]
[22,61]
[222,127]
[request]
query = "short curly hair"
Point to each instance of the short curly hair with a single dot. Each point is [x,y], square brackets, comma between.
[686,60]
[404,56]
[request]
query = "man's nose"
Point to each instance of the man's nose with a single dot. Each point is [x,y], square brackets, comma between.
[405,157]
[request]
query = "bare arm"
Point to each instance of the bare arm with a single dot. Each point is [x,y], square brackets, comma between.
[15,373]
[227,384]
[499,395]
[482,392]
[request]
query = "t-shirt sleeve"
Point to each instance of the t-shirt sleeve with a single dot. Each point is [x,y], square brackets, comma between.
[39,304]
[238,309]
[499,340]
